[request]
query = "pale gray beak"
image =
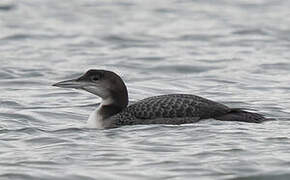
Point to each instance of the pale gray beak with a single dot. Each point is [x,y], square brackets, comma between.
[74,83]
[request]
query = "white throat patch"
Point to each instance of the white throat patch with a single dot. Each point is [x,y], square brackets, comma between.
[95,119]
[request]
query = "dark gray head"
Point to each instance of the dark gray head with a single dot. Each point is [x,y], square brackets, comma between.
[105,84]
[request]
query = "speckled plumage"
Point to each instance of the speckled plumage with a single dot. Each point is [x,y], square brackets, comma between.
[169,109]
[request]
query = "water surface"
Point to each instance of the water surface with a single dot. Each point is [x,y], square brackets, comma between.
[234,52]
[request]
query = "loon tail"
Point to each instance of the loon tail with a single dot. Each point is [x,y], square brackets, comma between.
[237,114]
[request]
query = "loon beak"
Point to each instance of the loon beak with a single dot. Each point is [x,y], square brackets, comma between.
[74,83]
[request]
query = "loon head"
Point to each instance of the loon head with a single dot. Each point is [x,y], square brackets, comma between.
[105,84]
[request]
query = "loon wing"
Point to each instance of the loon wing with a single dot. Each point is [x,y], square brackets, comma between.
[170,109]
[177,105]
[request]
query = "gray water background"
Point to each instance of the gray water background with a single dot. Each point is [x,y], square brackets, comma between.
[235,52]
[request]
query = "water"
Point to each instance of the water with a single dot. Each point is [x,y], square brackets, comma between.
[235,52]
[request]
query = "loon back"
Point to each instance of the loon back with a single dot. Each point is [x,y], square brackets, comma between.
[164,109]
[178,109]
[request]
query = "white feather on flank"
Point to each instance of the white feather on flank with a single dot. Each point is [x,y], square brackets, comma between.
[96,119]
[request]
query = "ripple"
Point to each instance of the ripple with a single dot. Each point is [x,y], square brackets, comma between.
[29,130]
[7,6]
[16,176]
[276,66]
[183,69]
[228,51]
[9,104]
[251,32]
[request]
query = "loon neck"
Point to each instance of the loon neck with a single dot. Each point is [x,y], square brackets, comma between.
[114,103]
[100,118]
[109,108]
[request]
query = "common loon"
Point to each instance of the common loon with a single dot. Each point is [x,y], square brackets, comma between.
[164,109]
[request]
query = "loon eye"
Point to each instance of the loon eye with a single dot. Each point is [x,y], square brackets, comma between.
[95,78]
